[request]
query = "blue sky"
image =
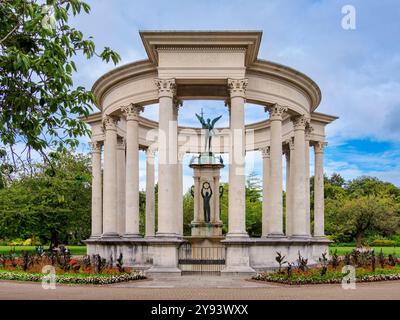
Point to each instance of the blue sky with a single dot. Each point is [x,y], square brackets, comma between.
[357,70]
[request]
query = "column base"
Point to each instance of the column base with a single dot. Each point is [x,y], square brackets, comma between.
[233,235]
[110,236]
[300,236]
[131,235]
[169,236]
[275,235]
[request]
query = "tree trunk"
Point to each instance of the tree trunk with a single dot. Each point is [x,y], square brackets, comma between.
[54,242]
[359,238]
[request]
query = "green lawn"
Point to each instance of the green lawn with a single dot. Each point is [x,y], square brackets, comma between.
[386,250]
[81,250]
[75,250]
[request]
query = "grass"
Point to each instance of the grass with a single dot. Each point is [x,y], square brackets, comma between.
[341,251]
[75,250]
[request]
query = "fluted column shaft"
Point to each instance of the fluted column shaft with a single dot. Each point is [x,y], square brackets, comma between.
[132,170]
[150,196]
[180,193]
[307,181]
[97,206]
[275,182]
[237,178]
[299,184]
[289,196]
[110,178]
[266,193]
[121,178]
[167,160]
[319,190]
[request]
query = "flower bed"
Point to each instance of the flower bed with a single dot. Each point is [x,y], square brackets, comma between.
[366,266]
[72,278]
[329,278]
[87,270]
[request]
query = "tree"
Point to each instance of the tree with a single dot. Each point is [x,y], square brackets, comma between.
[337,180]
[39,105]
[364,186]
[365,214]
[53,204]
[253,205]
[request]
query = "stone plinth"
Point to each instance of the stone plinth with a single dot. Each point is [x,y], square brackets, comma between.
[206,184]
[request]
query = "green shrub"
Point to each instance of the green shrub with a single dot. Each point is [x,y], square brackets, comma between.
[16,242]
[396,238]
[383,243]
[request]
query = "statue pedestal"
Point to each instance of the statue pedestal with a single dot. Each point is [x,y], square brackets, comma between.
[206,192]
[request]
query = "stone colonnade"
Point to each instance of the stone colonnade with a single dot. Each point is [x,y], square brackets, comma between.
[119,181]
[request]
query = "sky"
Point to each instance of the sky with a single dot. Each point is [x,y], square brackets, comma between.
[356,69]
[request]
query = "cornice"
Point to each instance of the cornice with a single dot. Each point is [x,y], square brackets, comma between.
[118,75]
[297,78]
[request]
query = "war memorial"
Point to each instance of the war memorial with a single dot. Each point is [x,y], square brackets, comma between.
[193,65]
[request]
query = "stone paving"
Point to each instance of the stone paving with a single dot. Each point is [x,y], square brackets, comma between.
[198,288]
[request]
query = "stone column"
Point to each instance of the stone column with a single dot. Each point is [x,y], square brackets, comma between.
[289,187]
[167,159]
[132,171]
[286,152]
[121,173]
[307,179]
[181,155]
[166,243]
[150,195]
[265,152]
[319,190]
[97,215]
[275,183]
[237,239]
[237,178]
[299,184]
[110,178]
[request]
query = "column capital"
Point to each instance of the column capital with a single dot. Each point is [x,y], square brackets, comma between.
[228,103]
[319,146]
[237,87]
[178,103]
[121,143]
[300,122]
[151,152]
[290,142]
[166,87]
[95,146]
[276,112]
[132,112]
[309,131]
[266,152]
[288,147]
[110,123]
